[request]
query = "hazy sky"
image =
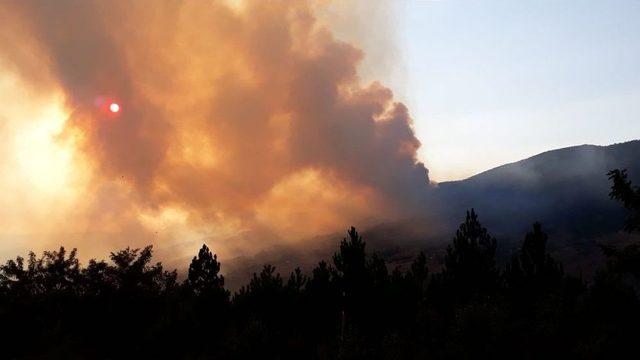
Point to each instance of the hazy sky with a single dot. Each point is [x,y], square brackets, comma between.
[489,82]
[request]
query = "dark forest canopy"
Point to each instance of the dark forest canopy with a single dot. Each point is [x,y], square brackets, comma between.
[352,307]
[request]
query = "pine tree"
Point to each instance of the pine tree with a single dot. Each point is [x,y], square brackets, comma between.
[624,191]
[533,267]
[351,269]
[627,259]
[470,266]
[350,261]
[204,274]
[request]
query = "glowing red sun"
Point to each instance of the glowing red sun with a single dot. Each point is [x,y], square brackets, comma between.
[114,107]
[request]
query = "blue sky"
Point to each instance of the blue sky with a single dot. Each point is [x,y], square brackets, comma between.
[491,82]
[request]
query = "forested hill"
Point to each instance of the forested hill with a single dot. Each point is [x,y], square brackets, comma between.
[565,189]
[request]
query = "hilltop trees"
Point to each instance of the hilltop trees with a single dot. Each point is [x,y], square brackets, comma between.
[132,274]
[53,273]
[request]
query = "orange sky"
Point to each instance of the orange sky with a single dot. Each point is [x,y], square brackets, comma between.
[242,125]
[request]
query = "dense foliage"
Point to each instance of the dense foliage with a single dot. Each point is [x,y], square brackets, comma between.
[350,308]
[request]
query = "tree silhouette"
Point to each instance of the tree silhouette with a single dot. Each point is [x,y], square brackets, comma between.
[97,279]
[419,271]
[54,272]
[352,277]
[132,272]
[263,295]
[470,261]
[624,191]
[16,280]
[297,281]
[350,261]
[319,284]
[533,268]
[323,301]
[627,259]
[378,272]
[204,276]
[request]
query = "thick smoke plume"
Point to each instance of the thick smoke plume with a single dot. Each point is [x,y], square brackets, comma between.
[242,124]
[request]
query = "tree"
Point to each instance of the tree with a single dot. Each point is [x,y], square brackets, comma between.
[264,292]
[207,305]
[624,191]
[378,272]
[351,273]
[533,268]
[297,281]
[61,273]
[97,279]
[54,272]
[350,261]
[627,259]
[204,275]
[320,284]
[470,261]
[419,271]
[133,275]
[15,279]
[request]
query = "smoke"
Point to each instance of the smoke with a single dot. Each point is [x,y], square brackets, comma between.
[242,125]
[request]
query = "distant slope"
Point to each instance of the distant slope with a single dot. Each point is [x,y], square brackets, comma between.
[565,189]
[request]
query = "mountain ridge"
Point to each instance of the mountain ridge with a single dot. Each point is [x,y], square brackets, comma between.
[631,143]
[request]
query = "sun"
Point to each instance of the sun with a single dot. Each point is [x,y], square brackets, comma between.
[114,107]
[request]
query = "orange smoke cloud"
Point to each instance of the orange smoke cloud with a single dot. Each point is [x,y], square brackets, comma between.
[243,124]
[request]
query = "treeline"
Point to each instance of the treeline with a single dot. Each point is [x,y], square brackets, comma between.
[352,307]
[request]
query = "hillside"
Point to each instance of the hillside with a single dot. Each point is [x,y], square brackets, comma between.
[565,189]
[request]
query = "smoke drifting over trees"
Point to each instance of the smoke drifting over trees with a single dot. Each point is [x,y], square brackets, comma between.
[233,115]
